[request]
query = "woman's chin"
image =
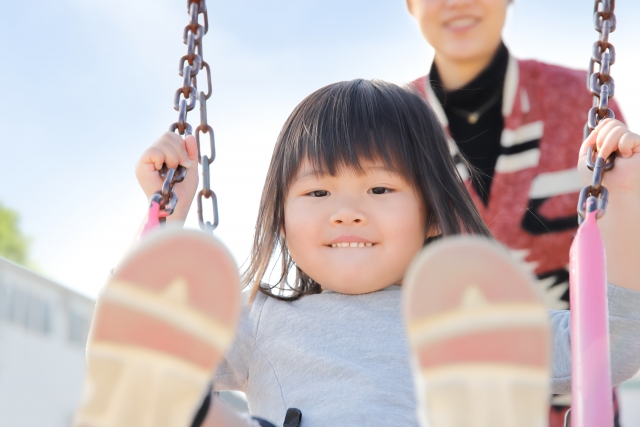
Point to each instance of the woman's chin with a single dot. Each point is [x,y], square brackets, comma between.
[466,48]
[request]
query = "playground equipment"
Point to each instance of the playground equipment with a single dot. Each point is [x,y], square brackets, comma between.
[185,99]
[591,377]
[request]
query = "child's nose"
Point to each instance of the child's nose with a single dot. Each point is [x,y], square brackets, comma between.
[348,216]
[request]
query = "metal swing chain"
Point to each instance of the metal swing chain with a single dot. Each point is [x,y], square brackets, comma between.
[602,86]
[185,100]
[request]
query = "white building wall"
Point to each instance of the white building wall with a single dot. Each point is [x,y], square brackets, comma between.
[43,329]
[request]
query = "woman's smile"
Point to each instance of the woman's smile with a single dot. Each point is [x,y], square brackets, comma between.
[461,24]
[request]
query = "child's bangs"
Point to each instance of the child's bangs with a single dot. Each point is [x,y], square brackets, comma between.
[348,126]
[332,152]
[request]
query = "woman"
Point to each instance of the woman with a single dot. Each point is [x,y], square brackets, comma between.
[504,115]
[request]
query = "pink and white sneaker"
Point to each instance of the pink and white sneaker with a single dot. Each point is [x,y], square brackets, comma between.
[479,336]
[161,325]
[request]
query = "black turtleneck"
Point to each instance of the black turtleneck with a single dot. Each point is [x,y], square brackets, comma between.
[480,141]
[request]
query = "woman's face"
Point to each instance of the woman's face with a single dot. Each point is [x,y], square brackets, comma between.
[461,29]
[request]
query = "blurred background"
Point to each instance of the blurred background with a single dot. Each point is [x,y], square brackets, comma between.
[89,84]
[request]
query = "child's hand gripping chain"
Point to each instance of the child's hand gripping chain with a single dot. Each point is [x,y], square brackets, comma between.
[612,136]
[620,226]
[173,151]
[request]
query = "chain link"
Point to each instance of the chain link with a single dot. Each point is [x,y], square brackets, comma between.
[602,86]
[185,99]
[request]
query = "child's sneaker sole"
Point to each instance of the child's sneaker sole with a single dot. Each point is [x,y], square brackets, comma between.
[479,337]
[161,325]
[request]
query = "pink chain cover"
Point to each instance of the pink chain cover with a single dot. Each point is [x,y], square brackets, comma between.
[153,218]
[591,368]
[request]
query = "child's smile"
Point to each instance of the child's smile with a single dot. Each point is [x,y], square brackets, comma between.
[353,233]
[351,245]
[350,241]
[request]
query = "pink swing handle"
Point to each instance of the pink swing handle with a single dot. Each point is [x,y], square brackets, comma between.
[591,377]
[163,202]
[156,214]
[153,218]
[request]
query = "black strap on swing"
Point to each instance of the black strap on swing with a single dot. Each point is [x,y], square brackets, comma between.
[202,411]
[293,418]
[185,100]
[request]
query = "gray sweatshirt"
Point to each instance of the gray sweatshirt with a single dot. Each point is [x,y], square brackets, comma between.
[343,360]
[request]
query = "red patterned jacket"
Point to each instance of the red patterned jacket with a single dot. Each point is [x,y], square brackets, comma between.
[532,204]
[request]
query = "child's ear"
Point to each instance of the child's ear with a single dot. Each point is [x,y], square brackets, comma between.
[433,231]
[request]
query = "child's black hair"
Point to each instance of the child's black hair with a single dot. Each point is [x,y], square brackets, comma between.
[344,125]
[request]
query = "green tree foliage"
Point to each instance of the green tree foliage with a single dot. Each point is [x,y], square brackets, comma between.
[13,244]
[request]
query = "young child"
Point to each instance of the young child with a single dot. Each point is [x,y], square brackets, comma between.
[360,180]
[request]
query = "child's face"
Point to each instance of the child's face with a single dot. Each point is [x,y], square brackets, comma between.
[378,212]
[461,29]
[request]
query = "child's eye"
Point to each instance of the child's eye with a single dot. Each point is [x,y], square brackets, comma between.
[380,190]
[318,193]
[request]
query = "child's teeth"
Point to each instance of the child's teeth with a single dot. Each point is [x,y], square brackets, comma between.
[368,244]
[333,245]
[353,245]
[361,245]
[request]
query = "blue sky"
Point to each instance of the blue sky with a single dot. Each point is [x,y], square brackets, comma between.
[87,85]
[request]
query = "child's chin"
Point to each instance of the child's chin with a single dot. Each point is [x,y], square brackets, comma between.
[354,288]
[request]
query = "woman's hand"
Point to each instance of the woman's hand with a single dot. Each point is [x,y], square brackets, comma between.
[613,136]
[171,149]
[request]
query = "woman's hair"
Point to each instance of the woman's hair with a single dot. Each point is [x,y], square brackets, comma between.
[344,125]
